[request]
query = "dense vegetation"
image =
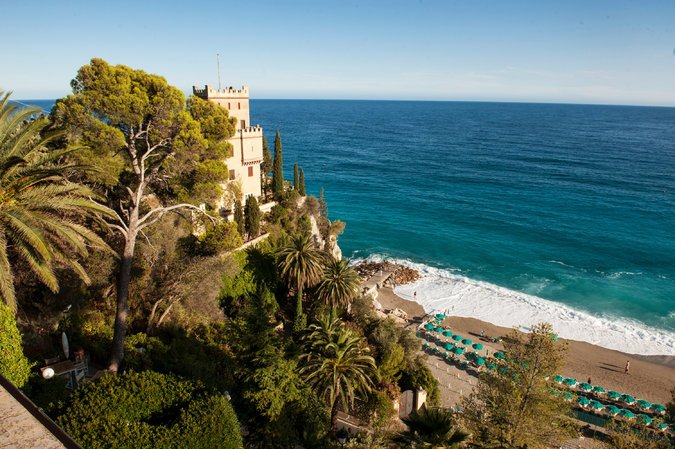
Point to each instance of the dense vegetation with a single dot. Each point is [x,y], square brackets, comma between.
[150,410]
[115,194]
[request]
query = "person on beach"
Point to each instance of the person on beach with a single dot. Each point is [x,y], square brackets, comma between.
[625,370]
[415,295]
[482,333]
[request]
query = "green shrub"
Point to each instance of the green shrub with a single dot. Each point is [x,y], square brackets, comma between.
[149,410]
[378,410]
[200,354]
[222,237]
[13,364]
[420,376]
[92,330]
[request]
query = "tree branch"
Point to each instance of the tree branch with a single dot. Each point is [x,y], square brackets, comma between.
[143,221]
[117,227]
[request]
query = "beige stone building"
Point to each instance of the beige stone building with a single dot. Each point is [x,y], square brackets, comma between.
[247,149]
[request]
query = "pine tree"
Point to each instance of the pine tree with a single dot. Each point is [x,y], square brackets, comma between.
[252,219]
[239,217]
[295,176]
[302,190]
[278,169]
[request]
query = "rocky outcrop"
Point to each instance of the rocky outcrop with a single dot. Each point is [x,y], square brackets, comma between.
[399,274]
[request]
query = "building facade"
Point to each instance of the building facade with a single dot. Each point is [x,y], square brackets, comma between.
[247,149]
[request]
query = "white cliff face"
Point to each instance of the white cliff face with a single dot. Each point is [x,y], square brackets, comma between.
[331,246]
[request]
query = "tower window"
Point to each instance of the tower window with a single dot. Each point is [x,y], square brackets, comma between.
[228,105]
[238,105]
[232,176]
[250,172]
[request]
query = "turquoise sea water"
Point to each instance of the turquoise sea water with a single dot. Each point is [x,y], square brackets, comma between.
[571,203]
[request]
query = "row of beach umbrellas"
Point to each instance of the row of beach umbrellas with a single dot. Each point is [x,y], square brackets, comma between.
[613,410]
[612,394]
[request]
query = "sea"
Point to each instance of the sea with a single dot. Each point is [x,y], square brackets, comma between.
[513,213]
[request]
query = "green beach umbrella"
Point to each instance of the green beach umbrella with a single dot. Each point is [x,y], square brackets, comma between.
[440,316]
[477,346]
[457,337]
[585,386]
[466,341]
[644,419]
[449,346]
[480,361]
[658,408]
[499,355]
[447,333]
[643,404]
[465,364]
[626,414]
[458,350]
[662,427]
[438,329]
[595,405]
[628,399]
[558,379]
[491,365]
[428,326]
[598,389]
[583,401]
[613,394]
[570,382]
[568,397]
[612,409]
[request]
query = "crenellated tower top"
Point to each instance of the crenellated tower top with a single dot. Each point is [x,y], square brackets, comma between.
[232,99]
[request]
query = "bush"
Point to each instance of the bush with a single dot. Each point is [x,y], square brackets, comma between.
[420,376]
[199,355]
[148,410]
[378,410]
[222,237]
[13,363]
[93,330]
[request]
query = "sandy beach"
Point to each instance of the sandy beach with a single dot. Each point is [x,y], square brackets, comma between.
[650,377]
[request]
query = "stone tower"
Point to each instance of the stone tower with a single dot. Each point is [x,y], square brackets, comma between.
[247,155]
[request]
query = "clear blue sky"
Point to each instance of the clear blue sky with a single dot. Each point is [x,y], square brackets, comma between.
[616,52]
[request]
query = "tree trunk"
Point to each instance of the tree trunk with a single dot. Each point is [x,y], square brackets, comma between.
[334,414]
[123,281]
[151,318]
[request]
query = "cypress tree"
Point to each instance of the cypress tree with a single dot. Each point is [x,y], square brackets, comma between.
[278,168]
[302,190]
[252,217]
[266,166]
[295,176]
[323,207]
[239,217]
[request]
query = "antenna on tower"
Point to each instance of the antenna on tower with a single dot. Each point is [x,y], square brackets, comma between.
[218,63]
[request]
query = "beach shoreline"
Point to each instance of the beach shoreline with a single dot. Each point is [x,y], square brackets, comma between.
[651,377]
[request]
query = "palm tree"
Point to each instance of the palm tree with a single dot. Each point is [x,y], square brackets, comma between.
[433,428]
[336,364]
[38,205]
[339,283]
[300,265]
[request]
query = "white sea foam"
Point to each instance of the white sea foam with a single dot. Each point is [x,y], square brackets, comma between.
[440,289]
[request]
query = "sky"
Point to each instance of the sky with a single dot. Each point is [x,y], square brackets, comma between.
[607,52]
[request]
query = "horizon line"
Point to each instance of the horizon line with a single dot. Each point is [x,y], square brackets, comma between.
[543,102]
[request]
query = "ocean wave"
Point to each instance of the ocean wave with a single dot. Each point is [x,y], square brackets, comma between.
[441,289]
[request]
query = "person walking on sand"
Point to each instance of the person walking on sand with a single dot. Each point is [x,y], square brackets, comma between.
[627,367]
[415,295]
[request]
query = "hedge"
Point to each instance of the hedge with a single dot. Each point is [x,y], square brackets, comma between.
[149,410]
